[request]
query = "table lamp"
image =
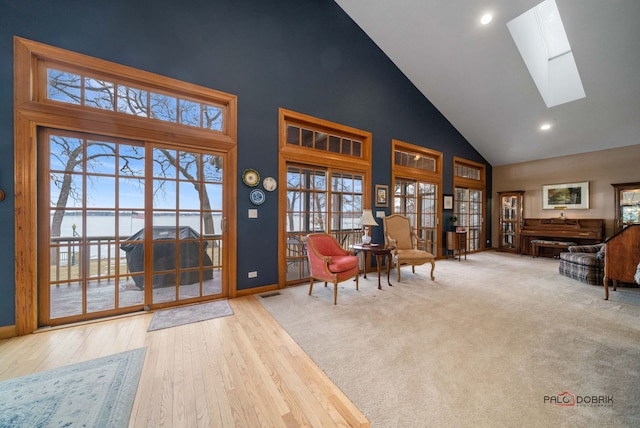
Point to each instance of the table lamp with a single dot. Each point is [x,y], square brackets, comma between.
[366,221]
[562,208]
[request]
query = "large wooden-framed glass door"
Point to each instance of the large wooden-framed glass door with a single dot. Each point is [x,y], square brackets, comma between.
[469,181]
[126,225]
[325,171]
[468,207]
[417,178]
[59,89]
[418,201]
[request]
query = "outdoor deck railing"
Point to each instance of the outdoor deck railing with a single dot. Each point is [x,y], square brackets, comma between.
[67,256]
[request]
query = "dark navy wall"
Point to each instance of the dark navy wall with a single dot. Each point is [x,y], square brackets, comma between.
[307,56]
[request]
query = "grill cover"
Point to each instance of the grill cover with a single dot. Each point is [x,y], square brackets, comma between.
[164,256]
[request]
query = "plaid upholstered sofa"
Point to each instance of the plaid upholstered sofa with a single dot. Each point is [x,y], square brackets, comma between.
[584,263]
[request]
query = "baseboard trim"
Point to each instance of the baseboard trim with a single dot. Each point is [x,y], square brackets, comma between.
[256,290]
[7,332]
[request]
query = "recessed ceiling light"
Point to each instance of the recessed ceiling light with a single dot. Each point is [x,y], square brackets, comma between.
[545,126]
[486,18]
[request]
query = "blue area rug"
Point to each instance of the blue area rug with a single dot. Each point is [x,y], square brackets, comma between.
[95,393]
[188,314]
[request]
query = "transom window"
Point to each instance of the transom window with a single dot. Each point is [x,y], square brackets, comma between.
[464,170]
[322,141]
[110,94]
[414,160]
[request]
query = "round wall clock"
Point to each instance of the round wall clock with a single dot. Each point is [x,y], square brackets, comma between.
[257,196]
[270,184]
[251,177]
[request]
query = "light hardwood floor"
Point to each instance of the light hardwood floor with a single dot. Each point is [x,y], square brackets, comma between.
[237,371]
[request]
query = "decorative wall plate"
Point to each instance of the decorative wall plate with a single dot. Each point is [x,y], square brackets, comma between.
[270,184]
[257,196]
[251,177]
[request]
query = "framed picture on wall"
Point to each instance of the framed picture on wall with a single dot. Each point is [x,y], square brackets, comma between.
[382,197]
[566,196]
[447,202]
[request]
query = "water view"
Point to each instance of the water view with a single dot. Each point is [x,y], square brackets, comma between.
[104,224]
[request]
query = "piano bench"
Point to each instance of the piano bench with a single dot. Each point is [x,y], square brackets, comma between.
[537,243]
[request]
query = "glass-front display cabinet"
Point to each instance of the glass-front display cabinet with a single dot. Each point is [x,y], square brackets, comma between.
[627,199]
[511,211]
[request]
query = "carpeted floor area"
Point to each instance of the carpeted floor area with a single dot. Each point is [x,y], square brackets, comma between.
[494,341]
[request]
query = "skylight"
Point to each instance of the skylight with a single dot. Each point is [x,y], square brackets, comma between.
[544,46]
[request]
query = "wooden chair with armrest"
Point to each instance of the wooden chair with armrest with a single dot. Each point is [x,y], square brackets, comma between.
[329,262]
[410,249]
[621,257]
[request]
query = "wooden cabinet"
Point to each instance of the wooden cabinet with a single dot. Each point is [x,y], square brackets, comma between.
[621,257]
[511,210]
[457,242]
[627,200]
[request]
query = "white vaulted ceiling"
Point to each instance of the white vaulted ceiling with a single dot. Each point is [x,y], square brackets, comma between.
[476,77]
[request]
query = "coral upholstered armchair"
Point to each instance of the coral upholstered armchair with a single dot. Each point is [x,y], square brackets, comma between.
[329,262]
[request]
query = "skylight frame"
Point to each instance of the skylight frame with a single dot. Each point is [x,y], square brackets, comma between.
[544,46]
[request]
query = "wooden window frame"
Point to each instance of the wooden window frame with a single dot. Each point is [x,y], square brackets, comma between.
[32,110]
[400,172]
[470,183]
[308,156]
[179,92]
[406,171]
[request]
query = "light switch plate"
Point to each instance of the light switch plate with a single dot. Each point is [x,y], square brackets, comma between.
[253,213]
[380,214]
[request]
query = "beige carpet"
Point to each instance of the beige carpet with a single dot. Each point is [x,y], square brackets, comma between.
[488,344]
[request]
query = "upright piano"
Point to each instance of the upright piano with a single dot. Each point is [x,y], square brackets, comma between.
[582,231]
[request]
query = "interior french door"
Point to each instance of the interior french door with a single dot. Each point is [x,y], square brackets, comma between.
[126,225]
[468,207]
[469,182]
[418,200]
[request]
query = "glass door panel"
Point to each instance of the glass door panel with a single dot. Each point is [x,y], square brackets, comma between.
[100,219]
[508,235]
[468,208]
[319,201]
[186,225]
[346,207]
[427,225]
[83,201]
[627,199]
[510,219]
[306,194]
[418,201]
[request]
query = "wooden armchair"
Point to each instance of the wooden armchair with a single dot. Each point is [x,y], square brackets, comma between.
[329,262]
[398,232]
